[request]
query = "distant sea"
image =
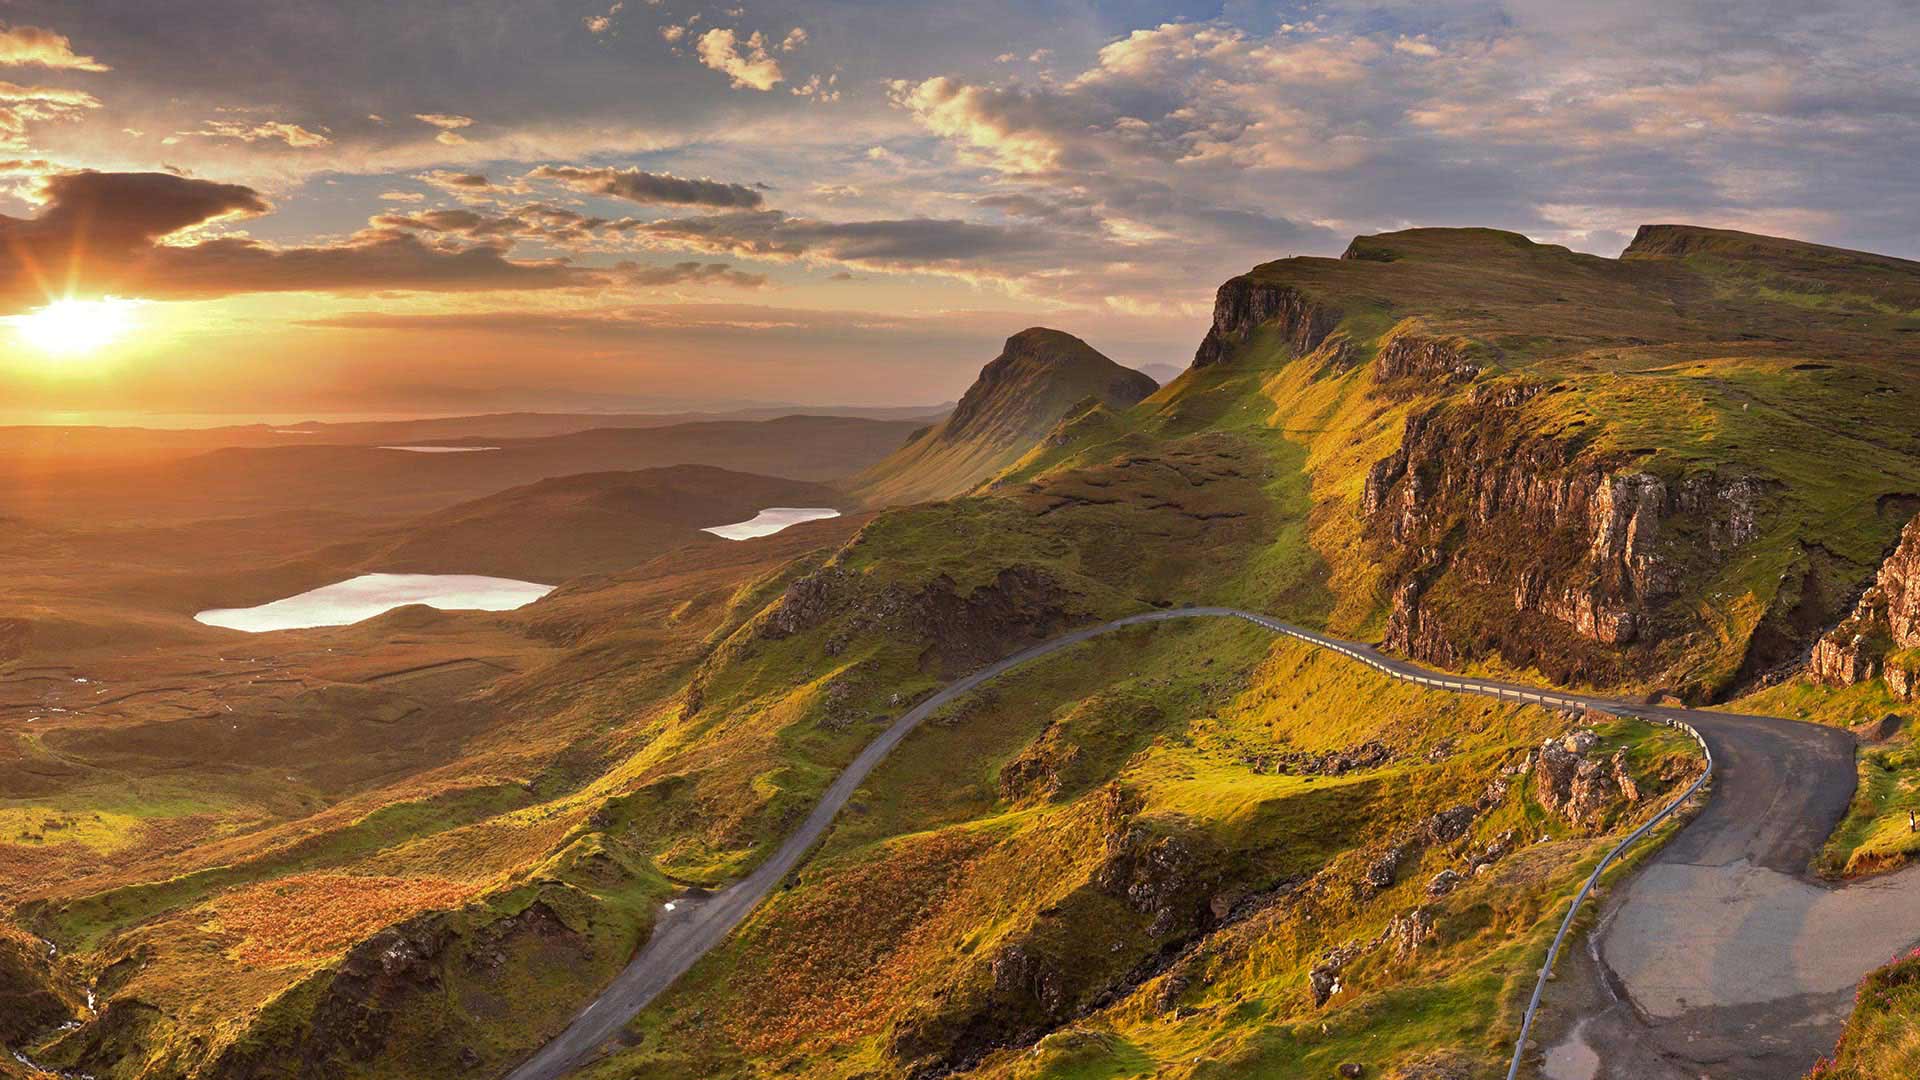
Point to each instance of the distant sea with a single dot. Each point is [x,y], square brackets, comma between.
[187,421]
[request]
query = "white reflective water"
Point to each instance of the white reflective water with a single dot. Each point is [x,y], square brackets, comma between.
[770,521]
[440,449]
[370,594]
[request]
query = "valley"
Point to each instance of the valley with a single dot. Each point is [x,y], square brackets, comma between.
[836,746]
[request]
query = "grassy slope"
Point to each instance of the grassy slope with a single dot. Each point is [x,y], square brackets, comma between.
[936,869]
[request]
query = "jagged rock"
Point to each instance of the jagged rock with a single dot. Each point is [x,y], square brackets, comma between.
[1443,883]
[1433,362]
[1581,790]
[807,602]
[1886,620]
[1352,1070]
[1243,304]
[1478,496]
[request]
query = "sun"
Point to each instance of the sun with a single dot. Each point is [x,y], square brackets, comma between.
[70,327]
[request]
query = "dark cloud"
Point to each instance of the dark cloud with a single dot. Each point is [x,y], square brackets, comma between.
[681,273]
[103,233]
[906,243]
[651,188]
[371,260]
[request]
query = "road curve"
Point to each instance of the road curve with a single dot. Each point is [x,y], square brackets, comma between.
[1780,787]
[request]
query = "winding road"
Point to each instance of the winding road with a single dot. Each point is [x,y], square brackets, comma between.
[1719,958]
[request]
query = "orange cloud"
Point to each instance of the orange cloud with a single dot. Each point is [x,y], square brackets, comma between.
[44,48]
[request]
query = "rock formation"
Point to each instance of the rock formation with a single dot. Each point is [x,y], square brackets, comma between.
[1886,621]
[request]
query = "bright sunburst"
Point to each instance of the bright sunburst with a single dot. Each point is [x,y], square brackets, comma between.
[75,327]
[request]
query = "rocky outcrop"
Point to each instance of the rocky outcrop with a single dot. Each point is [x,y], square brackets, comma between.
[961,630]
[1884,622]
[1244,304]
[1430,361]
[1476,502]
[1581,789]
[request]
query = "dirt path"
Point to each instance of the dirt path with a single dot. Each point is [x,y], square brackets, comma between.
[1718,959]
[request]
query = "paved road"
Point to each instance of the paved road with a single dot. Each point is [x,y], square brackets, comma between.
[1682,961]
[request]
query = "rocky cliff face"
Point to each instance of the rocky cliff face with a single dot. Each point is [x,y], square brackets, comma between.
[1244,303]
[1476,514]
[1884,622]
[1430,361]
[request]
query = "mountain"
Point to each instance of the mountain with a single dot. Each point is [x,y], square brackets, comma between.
[1039,378]
[1160,373]
[593,523]
[1184,848]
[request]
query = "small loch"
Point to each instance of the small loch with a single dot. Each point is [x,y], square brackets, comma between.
[770,521]
[368,595]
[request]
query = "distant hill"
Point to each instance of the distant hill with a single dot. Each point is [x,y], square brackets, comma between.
[1034,382]
[368,480]
[102,444]
[593,523]
[1160,373]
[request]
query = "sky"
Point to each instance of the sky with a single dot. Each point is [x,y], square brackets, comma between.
[436,206]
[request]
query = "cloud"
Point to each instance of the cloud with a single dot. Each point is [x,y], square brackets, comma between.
[903,244]
[695,273]
[747,62]
[133,234]
[44,48]
[795,38]
[639,186]
[472,188]
[269,131]
[600,24]
[821,90]
[23,106]
[449,125]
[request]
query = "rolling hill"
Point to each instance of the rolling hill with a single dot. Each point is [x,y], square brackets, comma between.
[593,523]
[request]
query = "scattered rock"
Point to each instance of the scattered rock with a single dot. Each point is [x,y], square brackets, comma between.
[1323,980]
[1352,1070]
[1443,883]
[1449,825]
